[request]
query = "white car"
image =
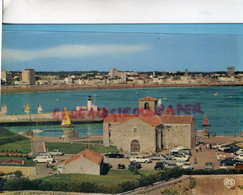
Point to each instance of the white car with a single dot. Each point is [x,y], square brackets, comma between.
[132,154]
[140,159]
[240,157]
[182,158]
[56,152]
[176,149]
[179,163]
[187,166]
[223,147]
[240,151]
[44,159]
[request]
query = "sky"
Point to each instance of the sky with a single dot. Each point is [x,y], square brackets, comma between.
[143,47]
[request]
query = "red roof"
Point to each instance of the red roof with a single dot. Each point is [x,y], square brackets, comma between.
[87,154]
[148,98]
[176,119]
[118,118]
[151,120]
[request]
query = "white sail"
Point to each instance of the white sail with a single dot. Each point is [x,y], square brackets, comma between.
[63,122]
[159,102]
[4,109]
[39,109]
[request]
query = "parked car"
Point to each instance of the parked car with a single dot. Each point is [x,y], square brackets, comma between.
[176,149]
[208,165]
[169,160]
[239,157]
[171,166]
[41,154]
[44,159]
[223,147]
[56,152]
[157,157]
[239,151]
[187,165]
[121,166]
[136,165]
[182,158]
[179,163]
[140,159]
[228,162]
[159,166]
[114,155]
[132,154]
[239,166]
[184,152]
[233,149]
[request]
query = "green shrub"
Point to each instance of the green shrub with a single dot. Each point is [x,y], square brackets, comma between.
[192,183]
[18,173]
[169,191]
[185,188]
[240,186]
[134,170]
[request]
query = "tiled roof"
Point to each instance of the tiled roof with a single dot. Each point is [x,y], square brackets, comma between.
[151,120]
[176,119]
[118,118]
[148,98]
[121,118]
[87,154]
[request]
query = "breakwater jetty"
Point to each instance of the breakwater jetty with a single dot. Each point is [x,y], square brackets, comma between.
[53,117]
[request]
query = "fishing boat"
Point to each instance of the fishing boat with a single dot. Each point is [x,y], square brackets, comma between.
[66,122]
[215,94]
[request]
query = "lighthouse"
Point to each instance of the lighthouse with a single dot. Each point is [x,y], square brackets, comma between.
[205,125]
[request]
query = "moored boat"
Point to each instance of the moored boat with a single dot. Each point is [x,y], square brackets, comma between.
[66,122]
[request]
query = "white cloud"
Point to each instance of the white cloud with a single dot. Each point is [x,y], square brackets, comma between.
[71,51]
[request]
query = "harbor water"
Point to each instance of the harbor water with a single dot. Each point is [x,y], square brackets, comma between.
[223,106]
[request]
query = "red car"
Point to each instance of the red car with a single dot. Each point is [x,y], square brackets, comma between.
[239,166]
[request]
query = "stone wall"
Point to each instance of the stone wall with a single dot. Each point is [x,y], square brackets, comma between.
[27,171]
[122,135]
[82,166]
[178,135]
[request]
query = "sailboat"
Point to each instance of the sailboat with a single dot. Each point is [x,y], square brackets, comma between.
[27,108]
[4,109]
[66,122]
[39,110]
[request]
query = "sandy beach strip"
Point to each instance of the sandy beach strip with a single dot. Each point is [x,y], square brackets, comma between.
[35,88]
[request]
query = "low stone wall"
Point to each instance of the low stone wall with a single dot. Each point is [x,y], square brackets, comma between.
[27,171]
[155,186]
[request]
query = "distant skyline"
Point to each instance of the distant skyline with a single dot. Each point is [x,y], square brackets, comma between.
[158,47]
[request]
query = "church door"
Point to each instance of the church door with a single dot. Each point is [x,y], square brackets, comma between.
[135,146]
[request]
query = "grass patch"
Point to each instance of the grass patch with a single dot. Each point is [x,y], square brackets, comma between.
[23,146]
[27,163]
[7,136]
[11,141]
[113,177]
[94,141]
[74,148]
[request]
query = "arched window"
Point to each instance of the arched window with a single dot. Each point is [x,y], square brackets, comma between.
[146,106]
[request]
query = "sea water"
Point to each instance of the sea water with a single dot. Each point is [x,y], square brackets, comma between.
[224,111]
